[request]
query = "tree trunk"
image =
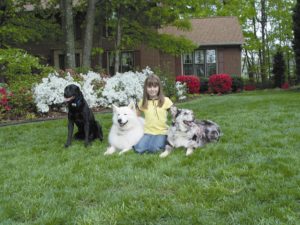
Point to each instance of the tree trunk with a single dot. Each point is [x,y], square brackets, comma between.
[88,37]
[117,46]
[288,67]
[263,23]
[296,41]
[68,28]
[250,67]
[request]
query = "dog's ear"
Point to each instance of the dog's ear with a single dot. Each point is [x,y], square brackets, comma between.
[80,92]
[77,91]
[173,110]
[132,106]
[115,108]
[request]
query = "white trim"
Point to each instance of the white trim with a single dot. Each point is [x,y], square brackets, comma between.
[181,65]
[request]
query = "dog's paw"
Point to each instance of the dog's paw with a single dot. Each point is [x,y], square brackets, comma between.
[164,154]
[67,145]
[189,152]
[124,151]
[109,151]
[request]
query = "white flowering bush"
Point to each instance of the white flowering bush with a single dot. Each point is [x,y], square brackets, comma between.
[181,90]
[98,91]
[123,88]
[50,92]
[91,91]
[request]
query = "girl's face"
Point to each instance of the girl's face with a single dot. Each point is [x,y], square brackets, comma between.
[152,91]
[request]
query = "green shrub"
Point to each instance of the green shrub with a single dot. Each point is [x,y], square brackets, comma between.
[20,71]
[203,84]
[168,82]
[278,69]
[17,61]
[237,83]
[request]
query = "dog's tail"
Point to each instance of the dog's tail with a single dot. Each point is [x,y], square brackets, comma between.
[212,130]
[99,131]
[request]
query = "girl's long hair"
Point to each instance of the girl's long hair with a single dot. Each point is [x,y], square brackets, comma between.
[153,80]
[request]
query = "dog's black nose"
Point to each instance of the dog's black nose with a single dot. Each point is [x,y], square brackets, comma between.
[119,121]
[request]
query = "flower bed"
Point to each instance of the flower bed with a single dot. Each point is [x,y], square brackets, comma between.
[192,82]
[5,96]
[249,87]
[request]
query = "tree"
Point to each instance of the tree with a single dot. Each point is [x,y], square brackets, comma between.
[68,28]
[19,26]
[88,36]
[296,46]
[278,69]
[262,51]
[281,31]
[135,22]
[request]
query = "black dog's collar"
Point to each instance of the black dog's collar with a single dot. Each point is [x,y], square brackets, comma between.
[76,103]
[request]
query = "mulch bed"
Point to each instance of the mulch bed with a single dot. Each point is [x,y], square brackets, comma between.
[46,117]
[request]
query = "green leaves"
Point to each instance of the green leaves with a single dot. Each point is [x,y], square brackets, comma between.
[18,26]
[170,44]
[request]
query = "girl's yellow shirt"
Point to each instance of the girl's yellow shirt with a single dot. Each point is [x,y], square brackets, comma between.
[156,117]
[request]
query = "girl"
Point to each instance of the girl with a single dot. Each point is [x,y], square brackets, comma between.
[155,107]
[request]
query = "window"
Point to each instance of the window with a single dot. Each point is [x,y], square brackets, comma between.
[188,63]
[211,62]
[199,66]
[126,62]
[60,58]
[201,62]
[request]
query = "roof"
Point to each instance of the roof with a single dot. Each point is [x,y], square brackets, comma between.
[211,31]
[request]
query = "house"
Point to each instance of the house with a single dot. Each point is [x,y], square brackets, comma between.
[219,41]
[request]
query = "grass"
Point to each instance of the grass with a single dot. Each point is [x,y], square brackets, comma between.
[252,176]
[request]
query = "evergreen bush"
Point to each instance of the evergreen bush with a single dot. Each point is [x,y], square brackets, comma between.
[278,69]
[237,83]
[204,85]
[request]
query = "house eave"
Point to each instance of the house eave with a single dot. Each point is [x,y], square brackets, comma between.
[219,44]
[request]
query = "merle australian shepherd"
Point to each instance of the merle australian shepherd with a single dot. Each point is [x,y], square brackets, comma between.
[188,132]
[80,114]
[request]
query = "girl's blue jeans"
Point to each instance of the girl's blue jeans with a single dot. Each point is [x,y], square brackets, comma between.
[151,143]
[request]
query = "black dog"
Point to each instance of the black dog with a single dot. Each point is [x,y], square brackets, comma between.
[80,114]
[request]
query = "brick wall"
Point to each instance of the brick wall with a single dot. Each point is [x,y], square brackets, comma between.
[229,60]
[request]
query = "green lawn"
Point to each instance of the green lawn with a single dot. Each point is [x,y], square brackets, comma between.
[251,176]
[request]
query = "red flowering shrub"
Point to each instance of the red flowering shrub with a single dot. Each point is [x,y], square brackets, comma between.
[285,85]
[22,102]
[192,82]
[4,101]
[249,87]
[220,83]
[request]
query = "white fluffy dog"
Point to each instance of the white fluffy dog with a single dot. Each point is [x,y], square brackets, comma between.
[126,131]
